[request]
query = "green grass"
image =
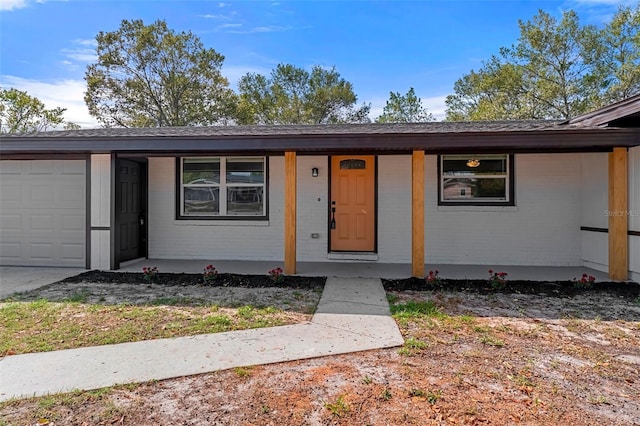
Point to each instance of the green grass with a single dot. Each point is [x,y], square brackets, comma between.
[48,408]
[413,309]
[42,326]
[339,407]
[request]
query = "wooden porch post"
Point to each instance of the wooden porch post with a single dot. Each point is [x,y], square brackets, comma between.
[290,213]
[618,219]
[417,214]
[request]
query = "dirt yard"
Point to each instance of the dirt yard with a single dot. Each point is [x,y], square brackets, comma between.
[478,359]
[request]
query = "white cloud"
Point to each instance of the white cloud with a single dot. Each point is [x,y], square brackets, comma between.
[80,55]
[12,4]
[86,42]
[67,94]
[261,29]
[436,106]
[83,50]
[225,26]
[211,16]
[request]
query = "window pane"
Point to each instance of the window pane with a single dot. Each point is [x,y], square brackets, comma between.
[245,200]
[353,164]
[201,200]
[201,171]
[470,189]
[245,170]
[457,166]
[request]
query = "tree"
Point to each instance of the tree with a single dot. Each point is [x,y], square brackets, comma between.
[151,76]
[21,113]
[495,92]
[617,60]
[546,75]
[292,95]
[404,109]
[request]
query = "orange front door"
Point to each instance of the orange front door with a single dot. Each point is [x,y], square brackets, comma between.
[353,198]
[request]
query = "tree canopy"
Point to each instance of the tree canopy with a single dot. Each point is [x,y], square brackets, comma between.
[404,109]
[556,70]
[22,113]
[292,95]
[617,61]
[151,76]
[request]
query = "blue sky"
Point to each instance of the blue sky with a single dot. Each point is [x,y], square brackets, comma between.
[379,46]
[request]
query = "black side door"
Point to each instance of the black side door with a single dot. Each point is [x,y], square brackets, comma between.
[131,219]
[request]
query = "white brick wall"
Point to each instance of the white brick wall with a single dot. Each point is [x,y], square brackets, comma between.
[594,193]
[542,229]
[313,207]
[595,203]
[394,208]
[191,239]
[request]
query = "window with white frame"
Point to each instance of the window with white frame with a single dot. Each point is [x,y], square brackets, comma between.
[476,179]
[222,187]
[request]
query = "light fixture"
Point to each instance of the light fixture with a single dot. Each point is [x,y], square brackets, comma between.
[314,172]
[473,162]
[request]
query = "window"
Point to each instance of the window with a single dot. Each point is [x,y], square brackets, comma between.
[222,187]
[476,179]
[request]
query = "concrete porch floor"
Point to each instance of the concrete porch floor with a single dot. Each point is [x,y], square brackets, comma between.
[368,269]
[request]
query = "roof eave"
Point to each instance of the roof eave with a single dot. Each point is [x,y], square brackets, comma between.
[512,141]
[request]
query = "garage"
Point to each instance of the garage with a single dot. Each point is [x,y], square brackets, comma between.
[43,213]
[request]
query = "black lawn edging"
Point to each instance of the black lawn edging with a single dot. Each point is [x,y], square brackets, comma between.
[628,289]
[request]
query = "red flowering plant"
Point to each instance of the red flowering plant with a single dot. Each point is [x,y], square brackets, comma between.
[209,274]
[433,278]
[149,273]
[497,280]
[586,281]
[276,275]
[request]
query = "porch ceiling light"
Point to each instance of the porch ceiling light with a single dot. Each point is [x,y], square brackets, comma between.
[473,162]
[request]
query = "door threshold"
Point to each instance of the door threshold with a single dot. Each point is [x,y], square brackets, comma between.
[353,256]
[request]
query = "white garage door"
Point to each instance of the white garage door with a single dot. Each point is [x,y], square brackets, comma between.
[42,213]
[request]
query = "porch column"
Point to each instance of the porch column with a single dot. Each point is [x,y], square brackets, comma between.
[618,220]
[289,213]
[417,214]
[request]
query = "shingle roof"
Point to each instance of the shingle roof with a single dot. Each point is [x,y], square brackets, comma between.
[303,130]
[436,137]
[625,113]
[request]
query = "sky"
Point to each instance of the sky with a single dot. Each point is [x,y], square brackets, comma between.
[378,46]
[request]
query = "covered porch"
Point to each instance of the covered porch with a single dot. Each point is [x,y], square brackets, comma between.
[367,269]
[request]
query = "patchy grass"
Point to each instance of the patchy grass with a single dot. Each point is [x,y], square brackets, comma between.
[42,326]
[564,361]
[55,408]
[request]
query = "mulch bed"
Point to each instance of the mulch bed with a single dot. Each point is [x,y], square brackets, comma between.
[629,290]
[220,280]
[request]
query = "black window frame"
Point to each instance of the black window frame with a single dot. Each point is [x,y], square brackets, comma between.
[510,187]
[236,217]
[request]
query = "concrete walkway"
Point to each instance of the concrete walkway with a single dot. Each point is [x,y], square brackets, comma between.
[353,315]
[14,279]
